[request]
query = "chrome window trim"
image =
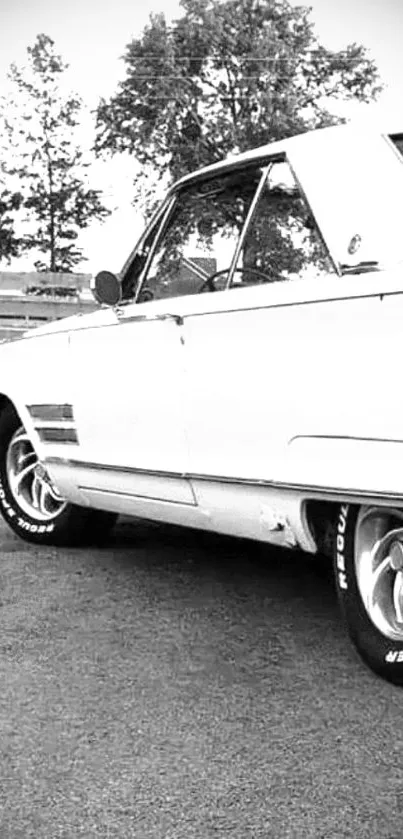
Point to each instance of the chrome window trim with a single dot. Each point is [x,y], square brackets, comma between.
[248,220]
[163,225]
[155,218]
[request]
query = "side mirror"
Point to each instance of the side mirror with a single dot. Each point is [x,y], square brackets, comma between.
[106,288]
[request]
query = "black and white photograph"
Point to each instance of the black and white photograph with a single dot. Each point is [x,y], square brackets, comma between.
[201,419]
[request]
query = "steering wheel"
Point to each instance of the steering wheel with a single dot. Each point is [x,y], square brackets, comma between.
[208,285]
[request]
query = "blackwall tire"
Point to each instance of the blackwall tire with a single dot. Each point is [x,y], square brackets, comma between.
[368,565]
[31,504]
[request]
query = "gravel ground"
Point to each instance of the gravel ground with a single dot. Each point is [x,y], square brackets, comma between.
[176,685]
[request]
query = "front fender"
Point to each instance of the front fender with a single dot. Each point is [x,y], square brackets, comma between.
[35,371]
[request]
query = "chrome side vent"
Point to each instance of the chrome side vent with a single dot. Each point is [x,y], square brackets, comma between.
[54,423]
[51,413]
[57,435]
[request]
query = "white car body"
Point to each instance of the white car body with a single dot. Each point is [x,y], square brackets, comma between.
[230,411]
[270,410]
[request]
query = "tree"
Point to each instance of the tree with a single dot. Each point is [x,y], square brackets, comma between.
[42,125]
[227,76]
[10,202]
[223,78]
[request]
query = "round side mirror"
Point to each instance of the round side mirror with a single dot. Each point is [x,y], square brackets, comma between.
[106,288]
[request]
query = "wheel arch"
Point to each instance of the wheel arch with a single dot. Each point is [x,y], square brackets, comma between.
[6,402]
[321,517]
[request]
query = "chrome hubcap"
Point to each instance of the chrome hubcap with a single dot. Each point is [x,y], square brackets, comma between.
[29,481]
[379,568]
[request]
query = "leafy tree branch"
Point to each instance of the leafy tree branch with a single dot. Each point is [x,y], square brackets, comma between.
[223,78]
[45,158]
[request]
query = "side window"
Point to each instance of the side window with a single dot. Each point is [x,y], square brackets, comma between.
[397,140]
[282,241]
[198,242]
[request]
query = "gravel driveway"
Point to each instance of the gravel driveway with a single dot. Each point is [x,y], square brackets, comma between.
[176,685]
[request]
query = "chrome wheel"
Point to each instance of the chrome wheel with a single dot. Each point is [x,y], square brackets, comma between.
[29,481]
[378,556]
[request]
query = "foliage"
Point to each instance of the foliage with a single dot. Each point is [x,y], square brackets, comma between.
[230,75]
[223,78]
[42,125]
[10,202]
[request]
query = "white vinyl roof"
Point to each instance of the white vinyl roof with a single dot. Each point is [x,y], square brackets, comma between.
[323,139]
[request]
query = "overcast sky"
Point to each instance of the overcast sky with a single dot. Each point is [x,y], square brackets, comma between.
[91,36]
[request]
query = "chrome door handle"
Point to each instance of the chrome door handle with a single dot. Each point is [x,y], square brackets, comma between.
[121,315]
[168,316]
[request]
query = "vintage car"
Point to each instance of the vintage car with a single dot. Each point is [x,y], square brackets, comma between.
[240,375]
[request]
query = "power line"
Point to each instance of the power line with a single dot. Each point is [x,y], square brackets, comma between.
[243,56]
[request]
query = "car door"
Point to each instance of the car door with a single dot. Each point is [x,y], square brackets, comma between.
[225,247]
[128,372]
[129,366]
[131,402]
[128,405]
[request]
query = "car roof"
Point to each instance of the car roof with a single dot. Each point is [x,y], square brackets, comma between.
[235,160]
[321,137]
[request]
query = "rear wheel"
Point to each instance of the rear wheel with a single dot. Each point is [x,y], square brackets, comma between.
[30,502]
[368,561]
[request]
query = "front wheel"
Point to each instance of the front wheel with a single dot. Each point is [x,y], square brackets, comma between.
[368,562]
[29,501]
